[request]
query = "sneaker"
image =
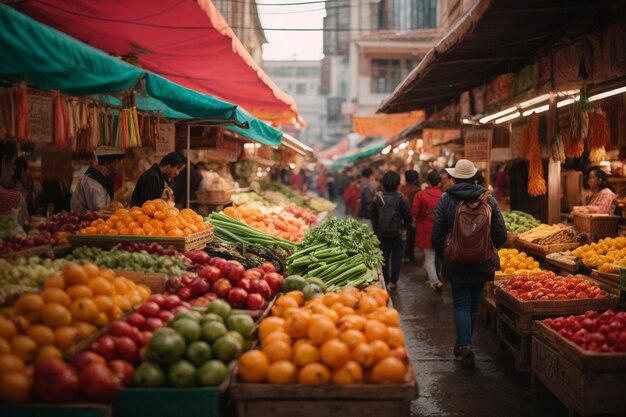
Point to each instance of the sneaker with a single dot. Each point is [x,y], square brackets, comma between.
[392,286]
[457,352]
[468,358]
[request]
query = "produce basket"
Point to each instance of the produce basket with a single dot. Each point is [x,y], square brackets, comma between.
[153,280]
[599,225]
[608,278]
[195,241]
[212,197]
[543,250]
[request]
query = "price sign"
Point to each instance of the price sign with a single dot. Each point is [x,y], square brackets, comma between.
[478,144]
[40,117]
[165,142]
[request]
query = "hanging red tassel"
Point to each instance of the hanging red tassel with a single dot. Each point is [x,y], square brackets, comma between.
[124,127]
[23,129]
[60,121]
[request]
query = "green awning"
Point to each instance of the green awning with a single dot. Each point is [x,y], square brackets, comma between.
[51,60]
[354,155]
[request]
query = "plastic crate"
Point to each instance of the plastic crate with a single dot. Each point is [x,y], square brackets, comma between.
[169,402]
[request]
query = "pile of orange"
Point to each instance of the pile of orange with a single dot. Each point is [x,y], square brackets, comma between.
[284,225]
[72,306]
[155,218]
[344,337]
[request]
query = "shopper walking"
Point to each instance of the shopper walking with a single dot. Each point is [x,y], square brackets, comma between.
[467,279]
[351,197]
[368,189]
[390,216]
[409,189]
[423,211]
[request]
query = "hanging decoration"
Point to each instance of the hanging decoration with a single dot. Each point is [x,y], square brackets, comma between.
[61,121]
[536,182]
[23,128]
[7,113]
[557,151]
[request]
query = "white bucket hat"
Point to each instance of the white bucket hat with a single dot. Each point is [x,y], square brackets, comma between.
[463,169]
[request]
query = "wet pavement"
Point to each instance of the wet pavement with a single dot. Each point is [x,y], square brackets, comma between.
[492,388]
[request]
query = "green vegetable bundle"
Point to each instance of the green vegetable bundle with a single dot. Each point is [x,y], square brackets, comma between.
[141,261]
[287,192]
[234,231]
[519,222]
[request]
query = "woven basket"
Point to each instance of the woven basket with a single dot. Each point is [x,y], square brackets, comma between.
[214,196]
[597,225]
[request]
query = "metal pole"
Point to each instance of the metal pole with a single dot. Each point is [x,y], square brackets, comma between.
[188,163]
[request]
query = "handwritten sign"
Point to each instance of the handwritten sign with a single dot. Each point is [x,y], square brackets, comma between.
[478,144]
[165,142]
[41,117]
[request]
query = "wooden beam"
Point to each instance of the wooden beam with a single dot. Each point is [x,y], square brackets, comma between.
[554,167]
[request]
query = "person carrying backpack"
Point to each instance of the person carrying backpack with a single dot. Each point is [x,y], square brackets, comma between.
[468,229]
[390,216]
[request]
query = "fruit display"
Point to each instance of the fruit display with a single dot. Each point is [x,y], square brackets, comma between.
[592,331]
[291,195]
[549,286]
[250,255]
[308,216]
[152,248]
[345,337]
[19,243]
[195,348]
[548,235]
[321,204]
[41,326]
[513,261]
[519,222]
[243,289]
[251,199]
[229,229]
[284,224]
[9,226]
[140,261]
[154,218]
[276,198]
[64,223]
[25,273]
[606,255]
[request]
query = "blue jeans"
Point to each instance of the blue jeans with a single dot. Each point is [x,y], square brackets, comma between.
[392,249]
[466,300]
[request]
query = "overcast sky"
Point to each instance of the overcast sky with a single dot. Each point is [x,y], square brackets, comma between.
[288,45]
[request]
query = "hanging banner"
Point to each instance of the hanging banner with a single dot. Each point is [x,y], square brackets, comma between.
[386,125]
[477,144]
[432,137]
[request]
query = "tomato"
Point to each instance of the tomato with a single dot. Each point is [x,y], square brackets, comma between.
[55,381]
[105,347]
[85,358]
[122,370]
[98,384]
[126,349]
[121,329]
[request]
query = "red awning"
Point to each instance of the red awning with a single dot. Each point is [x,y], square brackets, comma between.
[186,41]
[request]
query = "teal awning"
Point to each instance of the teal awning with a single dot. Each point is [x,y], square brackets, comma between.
[354,155]
[51,60]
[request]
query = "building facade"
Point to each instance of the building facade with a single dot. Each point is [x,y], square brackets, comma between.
[243,17]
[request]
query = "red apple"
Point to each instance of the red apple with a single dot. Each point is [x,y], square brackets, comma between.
[181,308]
[149,309]
[221,287]
[136,320]
[166,315]
[210,273]
[157,298]
[262,287]
[210,296]
[245,283]
[153,323]
[275,281]
[255,302]
[234,271]
[237,297]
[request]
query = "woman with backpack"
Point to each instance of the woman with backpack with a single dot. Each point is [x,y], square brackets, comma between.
[467,231]
[390,216]
[423,211]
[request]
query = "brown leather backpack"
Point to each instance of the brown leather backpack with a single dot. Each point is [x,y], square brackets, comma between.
[470,240]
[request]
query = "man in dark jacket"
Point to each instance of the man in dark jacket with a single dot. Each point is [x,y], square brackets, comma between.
[409,189]
[152,183]
[467,280]
[368,189]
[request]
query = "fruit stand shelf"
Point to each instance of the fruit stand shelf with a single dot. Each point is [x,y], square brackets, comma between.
[195,241]
[41,250]
[542,250]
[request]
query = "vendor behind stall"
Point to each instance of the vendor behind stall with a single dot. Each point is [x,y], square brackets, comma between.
[152,184]
[602,198]
[95,189]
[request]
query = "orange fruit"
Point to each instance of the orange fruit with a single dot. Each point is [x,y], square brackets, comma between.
[75,274]
[149,208]
[334,353]
[56,295]
[135,213]
[124,231]
[29,305]
[351,321]
[144,291]
[11,363]
[350,373]
[378,294]
[121,302]
[174,232]
[55,281]
[305,353]
[143,219]
[137,231]
[91,270]
[15,387]
[66,337]
[159,215]
[297,324]
[21,324]
[84,309]
[104,303]
[147,228]
[120,212]
[322,330]
[253,366]
[388,371]
[352,338]
[5,346]
[278,351]
[375,330]
[381,350]
[108,274]
[277,336]
[84,329]
[366,305]
[314,374]
[41,334]
[7,328]
[133,296]
[364,354]
[395,337]
[115,314]
[399,352]
[100,286]
[296,295]
[282,372]
[348,299]
[330,298]
[55,315]
[90,230]
[79,291]
[24,347]
[48,352]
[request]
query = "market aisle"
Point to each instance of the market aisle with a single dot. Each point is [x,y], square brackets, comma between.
[493,388]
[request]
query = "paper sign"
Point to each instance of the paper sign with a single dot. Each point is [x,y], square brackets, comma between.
[40,117]
[165,141]
[478,144]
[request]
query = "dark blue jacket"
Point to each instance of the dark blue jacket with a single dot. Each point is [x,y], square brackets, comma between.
[444,220]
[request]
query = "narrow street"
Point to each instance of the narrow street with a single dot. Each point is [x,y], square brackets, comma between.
[493,388]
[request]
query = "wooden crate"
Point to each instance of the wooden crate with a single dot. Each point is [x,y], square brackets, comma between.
[266,400]
[597,225]
[153,280]
[607,278]
[41,250]
[542,250]
[564,268]
[488,312]
[587,383]
[195,241]
[516,341]
[56,410]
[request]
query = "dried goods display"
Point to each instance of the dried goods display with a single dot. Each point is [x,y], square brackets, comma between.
[549,286]
[592,331]
[519,222]
[513,261]
[606,255]
[547,235]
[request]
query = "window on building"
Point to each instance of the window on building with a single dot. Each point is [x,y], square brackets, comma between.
[300,88]
[386,75]
[307,72]
[283,71]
